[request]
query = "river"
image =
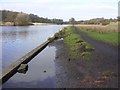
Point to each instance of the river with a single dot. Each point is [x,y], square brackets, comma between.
[19,40]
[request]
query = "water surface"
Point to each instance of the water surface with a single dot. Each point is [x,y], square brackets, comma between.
[19,40]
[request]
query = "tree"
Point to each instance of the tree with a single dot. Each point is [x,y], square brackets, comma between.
[15,17]
[10,17]
[22,19]
[57,21]
[72,21]
[105,22]
[35,18]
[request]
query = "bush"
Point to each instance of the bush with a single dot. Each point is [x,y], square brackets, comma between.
[105,23]
[22,19]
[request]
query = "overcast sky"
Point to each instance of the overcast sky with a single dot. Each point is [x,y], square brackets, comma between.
[64,9]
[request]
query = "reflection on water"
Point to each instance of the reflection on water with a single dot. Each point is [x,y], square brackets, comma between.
[16,42]
[35,76]
[16,33]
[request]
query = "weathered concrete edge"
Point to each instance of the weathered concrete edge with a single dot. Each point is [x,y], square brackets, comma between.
[12,69]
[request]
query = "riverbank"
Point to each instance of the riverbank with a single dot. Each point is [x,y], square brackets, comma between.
[101,71]
[57,69]
[6,24]
[37,24]
[12,24]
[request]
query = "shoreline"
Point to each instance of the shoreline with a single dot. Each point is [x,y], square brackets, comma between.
[31,24]
[81,73]
[39,24]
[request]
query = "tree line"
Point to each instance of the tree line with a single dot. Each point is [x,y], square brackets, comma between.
[95,21]
[35,18]
[19,17]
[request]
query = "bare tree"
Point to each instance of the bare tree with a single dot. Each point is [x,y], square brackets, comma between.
[72,21]
[22,19]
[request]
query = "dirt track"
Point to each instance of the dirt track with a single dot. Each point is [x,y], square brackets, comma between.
[101,71]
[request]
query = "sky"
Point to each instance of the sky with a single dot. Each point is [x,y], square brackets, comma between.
[64,9]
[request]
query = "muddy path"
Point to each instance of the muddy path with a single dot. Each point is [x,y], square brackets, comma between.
[100,72]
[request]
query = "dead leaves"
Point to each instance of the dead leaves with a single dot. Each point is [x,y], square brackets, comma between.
[101,78]
[104,76]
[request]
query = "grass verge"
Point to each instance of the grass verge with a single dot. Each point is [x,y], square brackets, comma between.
[107,37]
[77,46]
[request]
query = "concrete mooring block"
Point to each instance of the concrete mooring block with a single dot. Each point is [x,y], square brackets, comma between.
[23,68]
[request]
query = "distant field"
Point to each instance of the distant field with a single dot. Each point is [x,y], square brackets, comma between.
[112,27]
[108,33]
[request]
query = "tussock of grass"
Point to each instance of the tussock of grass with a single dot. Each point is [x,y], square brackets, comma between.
[89,47]
[86,55]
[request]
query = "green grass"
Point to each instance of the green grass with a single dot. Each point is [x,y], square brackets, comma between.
[75,44]
[107,37]
[70,40]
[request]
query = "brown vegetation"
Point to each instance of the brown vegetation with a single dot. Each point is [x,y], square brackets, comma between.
[107,28]
[22,19]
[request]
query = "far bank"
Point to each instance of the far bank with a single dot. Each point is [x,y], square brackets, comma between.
[12,24]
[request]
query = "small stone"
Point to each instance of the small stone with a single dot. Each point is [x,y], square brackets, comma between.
[68,59]
[23,68]
[44,70]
